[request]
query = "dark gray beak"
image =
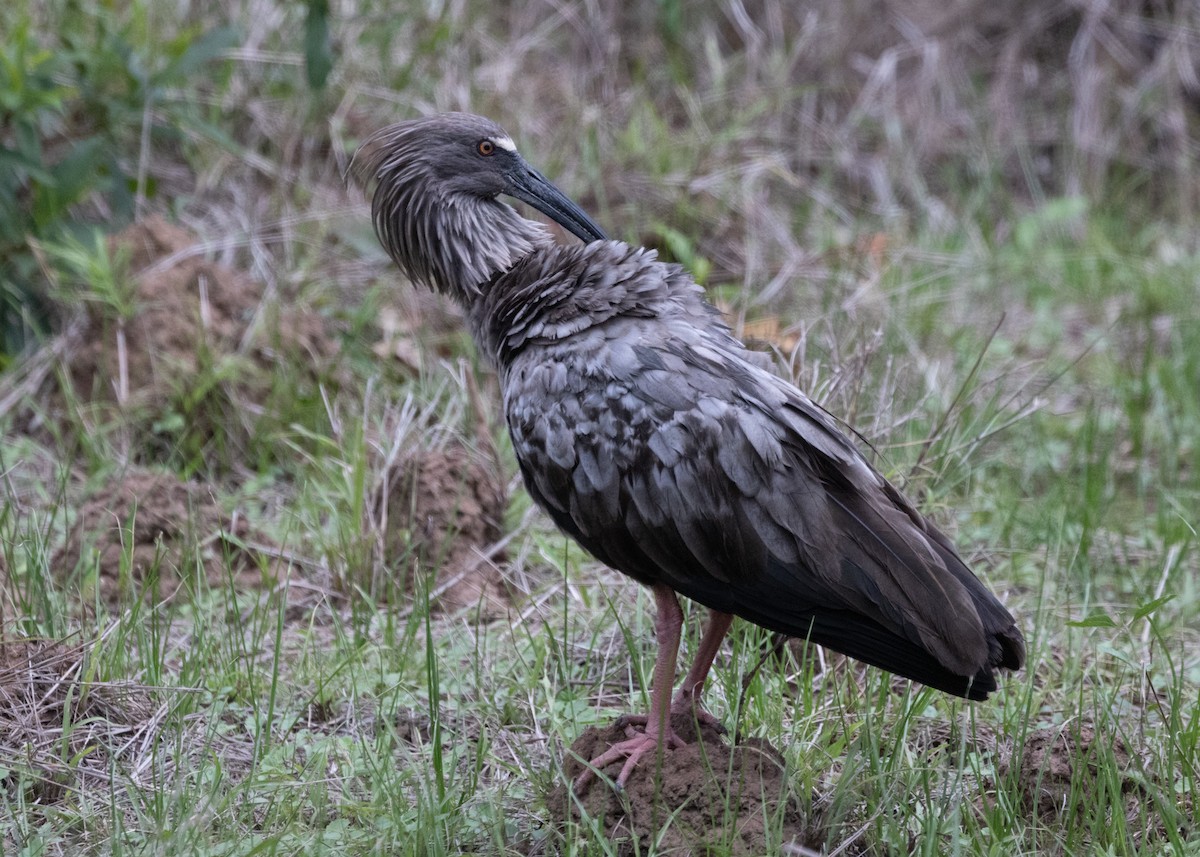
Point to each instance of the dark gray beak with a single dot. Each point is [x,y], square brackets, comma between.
[528,185]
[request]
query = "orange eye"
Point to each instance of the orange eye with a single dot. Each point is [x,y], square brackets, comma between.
[486,147]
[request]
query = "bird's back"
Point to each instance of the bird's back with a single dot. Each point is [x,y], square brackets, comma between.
[648,433]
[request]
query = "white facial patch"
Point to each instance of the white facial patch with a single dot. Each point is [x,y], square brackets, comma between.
[505,143]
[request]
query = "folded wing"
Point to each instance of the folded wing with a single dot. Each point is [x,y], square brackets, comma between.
[690,466]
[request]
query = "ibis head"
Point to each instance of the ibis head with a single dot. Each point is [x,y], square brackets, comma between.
[437,206]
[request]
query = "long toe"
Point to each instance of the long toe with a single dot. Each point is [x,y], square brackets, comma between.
[631,750]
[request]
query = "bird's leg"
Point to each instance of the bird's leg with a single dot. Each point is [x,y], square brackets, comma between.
[657,732]
[687,699]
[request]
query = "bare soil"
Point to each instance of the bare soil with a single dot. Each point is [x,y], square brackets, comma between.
[1058,761]
[705,796]
[186,305]
[148,533]
[196,330]
[445,510]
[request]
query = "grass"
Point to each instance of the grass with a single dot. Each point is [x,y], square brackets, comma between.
[1011,323]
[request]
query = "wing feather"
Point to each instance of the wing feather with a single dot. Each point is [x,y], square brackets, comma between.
[715,477]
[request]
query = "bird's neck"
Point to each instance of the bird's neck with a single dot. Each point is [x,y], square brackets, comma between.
[456,245]
[558,292]
[472,250]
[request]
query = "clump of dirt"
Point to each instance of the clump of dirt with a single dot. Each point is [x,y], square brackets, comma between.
[186,315]
[706,796]
[1060,770]
[149,532]
[39,679]
[1054,762]
[444,511]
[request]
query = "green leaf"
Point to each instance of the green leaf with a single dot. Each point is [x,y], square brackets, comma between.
[11,159]
[74,176]
[1095,619]
[318,49]
[208,47]
[1149,607]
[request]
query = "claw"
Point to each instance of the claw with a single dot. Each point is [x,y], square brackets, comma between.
[631,750]
[646,732]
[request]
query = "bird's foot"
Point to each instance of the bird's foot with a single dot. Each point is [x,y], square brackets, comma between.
[687,706]
[638,744]
[684,710]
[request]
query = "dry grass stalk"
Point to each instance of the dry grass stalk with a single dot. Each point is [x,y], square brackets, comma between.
[61,729]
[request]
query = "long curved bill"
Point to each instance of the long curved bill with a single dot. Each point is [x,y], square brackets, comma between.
[528,185]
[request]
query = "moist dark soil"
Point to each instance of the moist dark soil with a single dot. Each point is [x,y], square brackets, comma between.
[704,797]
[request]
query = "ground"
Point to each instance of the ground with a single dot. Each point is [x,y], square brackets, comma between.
[142,533]
[707,795]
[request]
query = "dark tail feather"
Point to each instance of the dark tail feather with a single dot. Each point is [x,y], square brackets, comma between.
[1006,646]
[867,641]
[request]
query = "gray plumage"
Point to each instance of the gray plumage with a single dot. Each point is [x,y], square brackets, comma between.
[653,437]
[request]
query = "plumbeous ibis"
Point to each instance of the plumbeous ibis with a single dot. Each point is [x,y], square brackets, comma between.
[651,435]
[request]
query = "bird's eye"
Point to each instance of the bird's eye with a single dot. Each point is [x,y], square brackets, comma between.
[486,147]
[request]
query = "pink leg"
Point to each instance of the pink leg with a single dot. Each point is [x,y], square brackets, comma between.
[688,697]
[658,731]
[687,700]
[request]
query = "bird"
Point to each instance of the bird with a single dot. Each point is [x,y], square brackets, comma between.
[656,440]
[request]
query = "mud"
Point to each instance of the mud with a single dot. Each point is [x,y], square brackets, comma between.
[148,533]
[706,796]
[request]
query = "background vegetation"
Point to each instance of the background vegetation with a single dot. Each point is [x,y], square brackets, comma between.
[968,229]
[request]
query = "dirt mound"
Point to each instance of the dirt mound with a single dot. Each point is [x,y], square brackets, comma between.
[184,306]
[1055,762]
[445,508]
[149,532]
[187,330]
[707,796]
